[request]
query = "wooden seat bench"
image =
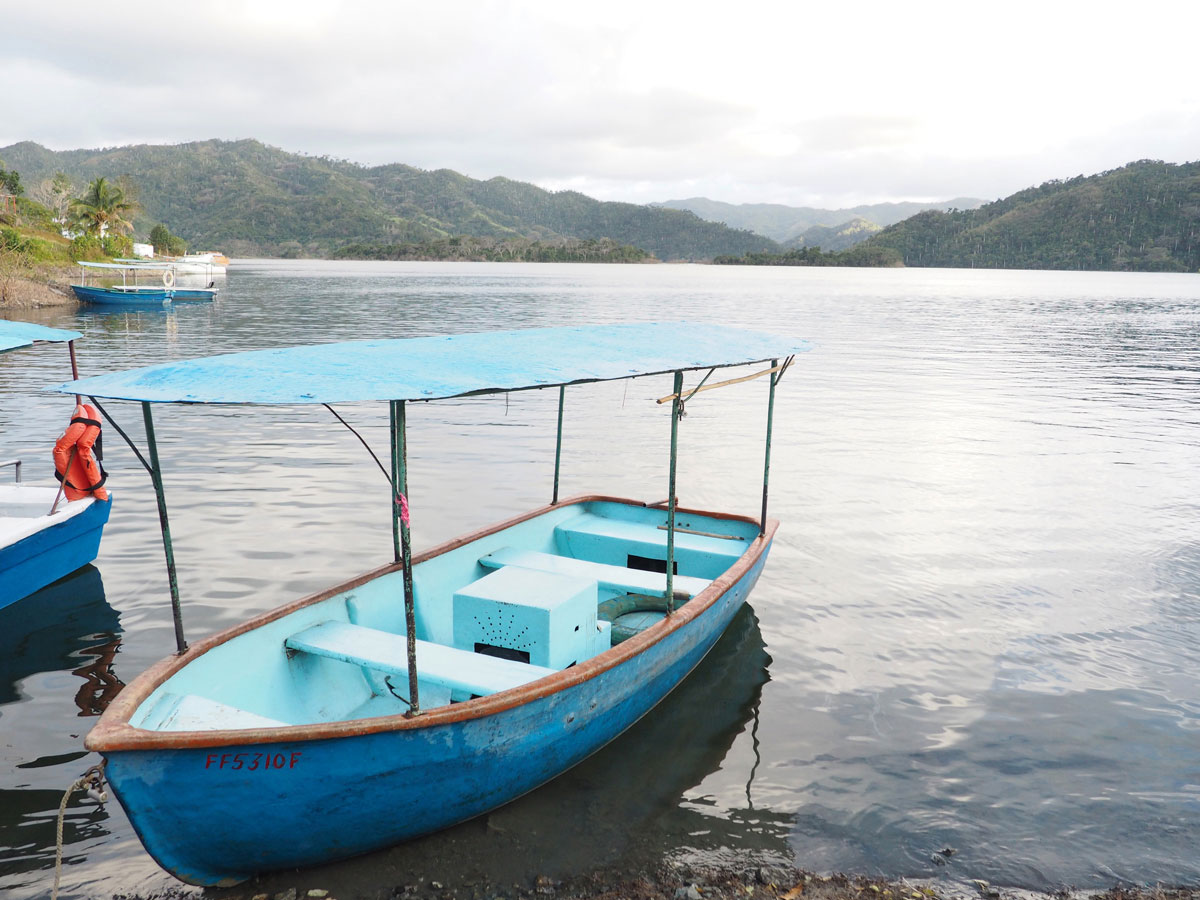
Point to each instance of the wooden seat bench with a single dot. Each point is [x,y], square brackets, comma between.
[615,578]
[383,651]
[613,541]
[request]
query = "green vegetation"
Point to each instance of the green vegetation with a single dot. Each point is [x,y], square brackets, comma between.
[866,257]
[165,243]
[10,182]
[471,249]
[250,199]
[1142,217]
[101,210]
[839,237]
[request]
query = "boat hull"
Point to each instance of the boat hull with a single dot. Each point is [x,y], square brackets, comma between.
[150,297]
[179,293]
[53,552]
[307,799]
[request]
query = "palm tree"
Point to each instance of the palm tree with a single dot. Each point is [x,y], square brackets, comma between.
[102,209]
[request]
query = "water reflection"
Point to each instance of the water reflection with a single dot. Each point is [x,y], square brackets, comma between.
[66,625]
[29,820]
[987,566]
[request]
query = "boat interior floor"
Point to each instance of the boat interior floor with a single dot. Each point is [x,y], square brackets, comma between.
[491,615]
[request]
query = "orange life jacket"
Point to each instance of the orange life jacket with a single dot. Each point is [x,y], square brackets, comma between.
[80,472]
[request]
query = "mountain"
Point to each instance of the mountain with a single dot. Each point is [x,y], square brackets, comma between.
[250,199]
[786,223]
[1142,217]
[837,237]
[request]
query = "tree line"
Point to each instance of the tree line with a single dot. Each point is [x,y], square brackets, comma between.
[861,256]
[98,221]
[464,248]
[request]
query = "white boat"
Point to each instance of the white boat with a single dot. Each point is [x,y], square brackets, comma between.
[42,537]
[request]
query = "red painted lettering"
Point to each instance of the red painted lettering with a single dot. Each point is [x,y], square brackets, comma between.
[251,761]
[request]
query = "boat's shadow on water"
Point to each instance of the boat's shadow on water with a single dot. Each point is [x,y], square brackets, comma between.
[618,809]
[68,625]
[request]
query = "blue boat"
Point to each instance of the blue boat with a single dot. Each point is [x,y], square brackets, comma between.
[130,292]
[42,539]
[443,684]
[134,295]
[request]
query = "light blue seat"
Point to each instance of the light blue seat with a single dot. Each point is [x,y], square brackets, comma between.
[612,541]
[610,577]
[459,670]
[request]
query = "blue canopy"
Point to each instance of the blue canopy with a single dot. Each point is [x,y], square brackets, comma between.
[432,368]
[23,334]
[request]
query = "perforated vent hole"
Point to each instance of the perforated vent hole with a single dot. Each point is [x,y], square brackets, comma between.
[501,630]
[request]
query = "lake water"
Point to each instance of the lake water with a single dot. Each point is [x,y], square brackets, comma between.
[979,627]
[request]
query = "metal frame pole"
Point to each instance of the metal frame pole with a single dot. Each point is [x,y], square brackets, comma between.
[762,529]
[395,464]
[156,477]
[400,489]
[562,393]
[675,407]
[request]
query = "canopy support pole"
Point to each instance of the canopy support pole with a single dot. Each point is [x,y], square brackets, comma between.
[775,376]
[74,369]
[675,409]
[400,523]
[397,556]
[156,477]
[562,393]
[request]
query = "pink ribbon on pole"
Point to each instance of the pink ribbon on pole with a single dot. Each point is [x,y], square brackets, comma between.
[403,501]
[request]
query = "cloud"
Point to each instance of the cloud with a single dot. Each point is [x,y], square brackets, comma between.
[636,101]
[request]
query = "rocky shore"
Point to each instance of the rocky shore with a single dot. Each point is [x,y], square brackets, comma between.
[49,288]
[684,882]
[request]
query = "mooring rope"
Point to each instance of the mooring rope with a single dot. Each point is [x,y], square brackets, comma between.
[93,780]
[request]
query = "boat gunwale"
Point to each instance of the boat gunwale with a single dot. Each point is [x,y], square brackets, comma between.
[113,732]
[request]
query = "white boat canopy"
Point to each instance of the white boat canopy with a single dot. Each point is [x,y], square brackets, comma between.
[432,368]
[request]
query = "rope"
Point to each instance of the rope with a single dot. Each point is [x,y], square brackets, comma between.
[132,446]
[400,498]
[93,780]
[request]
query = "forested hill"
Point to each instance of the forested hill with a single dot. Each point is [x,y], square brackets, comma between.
[788,224]
[1142,217]
[248,199]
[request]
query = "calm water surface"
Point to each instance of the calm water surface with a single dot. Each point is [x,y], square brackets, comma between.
[979,627]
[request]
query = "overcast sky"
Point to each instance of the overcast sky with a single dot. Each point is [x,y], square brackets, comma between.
[826,104]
